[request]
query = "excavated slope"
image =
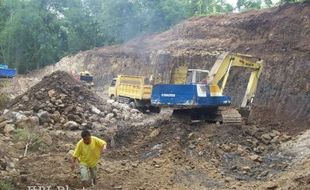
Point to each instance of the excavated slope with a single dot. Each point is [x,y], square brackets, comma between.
[280,36]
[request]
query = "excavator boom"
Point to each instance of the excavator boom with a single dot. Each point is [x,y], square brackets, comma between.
[221,68]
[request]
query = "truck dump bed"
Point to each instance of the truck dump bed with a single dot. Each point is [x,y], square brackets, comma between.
[133,87]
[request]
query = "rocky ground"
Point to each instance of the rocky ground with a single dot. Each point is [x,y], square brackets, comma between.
[48,110]
[280,36]
[146,151]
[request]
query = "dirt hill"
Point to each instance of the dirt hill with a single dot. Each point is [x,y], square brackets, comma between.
[280,36]
[151,151]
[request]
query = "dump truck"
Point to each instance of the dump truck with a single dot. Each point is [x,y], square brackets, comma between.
[87,78]
[6,75]
[198,94]
[133,90]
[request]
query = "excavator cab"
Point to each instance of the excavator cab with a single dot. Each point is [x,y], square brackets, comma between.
[183,75]
[197,76]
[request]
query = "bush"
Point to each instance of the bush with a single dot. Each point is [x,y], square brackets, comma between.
[4,100]
[5,185]
[31,137]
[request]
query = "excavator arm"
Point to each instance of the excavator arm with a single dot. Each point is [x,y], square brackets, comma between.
[220,71]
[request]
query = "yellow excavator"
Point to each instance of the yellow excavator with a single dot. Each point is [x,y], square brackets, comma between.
[199,93]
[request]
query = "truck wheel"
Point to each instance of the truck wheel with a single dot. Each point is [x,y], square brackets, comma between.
[154,109]
[142,109]
[132,105]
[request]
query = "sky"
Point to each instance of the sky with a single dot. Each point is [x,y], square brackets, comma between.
[232,2]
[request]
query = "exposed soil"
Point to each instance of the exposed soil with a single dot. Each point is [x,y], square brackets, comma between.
[176,156]
[153,152]
[280,36]
[58,83]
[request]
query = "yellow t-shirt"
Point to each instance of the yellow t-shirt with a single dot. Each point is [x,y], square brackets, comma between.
[89,154]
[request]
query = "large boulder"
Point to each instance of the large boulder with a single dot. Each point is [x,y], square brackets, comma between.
[44,117]
[72,125]
[28,122]
[8,128]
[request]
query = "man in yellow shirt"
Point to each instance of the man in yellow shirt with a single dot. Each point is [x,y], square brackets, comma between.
[88,151]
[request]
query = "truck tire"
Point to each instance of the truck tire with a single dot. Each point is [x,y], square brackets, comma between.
[154,109]
[132,104]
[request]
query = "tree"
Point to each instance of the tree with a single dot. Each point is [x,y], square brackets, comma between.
[268,3]
[249,4]
[174,11]
[293,1]
[31,38]
[81,27]
[35,33]
[205,7]
[120,20]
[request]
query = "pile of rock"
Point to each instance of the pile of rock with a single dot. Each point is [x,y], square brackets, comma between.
[60,101]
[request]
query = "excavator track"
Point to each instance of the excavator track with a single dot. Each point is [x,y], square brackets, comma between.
[224,115]
[230,116]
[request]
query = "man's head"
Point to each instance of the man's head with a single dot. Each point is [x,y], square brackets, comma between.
[86,136]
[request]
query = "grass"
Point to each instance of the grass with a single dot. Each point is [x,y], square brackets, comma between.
[4,83]
[4,99]
[5,185]
[31,137]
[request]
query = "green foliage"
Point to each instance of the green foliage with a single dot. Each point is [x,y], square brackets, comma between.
[249,4]
[36,33]
[31,137]
[80,22]
[32,35]
[5,185]
[4,100]
[4,97]
[117,20]
[293,1]
[205,7]
[268,3]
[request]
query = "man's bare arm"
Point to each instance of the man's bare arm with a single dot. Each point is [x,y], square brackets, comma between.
[73,161]
[104,148]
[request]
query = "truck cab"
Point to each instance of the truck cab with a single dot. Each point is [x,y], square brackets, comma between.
[112,88]
[87,78]
[133,90]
